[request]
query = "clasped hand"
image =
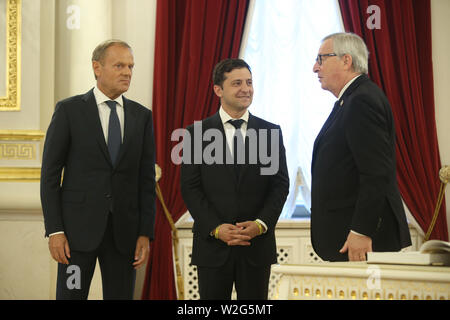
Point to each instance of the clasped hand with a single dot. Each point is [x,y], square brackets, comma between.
[239,234]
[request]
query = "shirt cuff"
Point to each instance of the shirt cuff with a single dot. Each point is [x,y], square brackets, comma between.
[263,224]
[359,234]
[52,234]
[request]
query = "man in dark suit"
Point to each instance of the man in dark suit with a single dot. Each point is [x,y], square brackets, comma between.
[235,201]
[356,205]
[98,181]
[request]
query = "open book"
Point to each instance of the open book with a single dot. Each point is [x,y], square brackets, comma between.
[432,252]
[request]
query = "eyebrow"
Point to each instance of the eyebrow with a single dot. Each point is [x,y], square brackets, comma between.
[240,80]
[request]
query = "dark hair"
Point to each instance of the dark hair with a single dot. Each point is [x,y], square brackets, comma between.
[226,66]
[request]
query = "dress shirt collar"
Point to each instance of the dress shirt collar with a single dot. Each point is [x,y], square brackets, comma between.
[100,97]
[346,86]
[225,117]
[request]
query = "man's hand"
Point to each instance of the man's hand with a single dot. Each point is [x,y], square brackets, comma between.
[249,228]
[142,251]
[230,234]
[357,246]
[59,248]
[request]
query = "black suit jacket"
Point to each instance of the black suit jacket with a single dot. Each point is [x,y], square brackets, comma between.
[354,185]
[91,187]
[214,195]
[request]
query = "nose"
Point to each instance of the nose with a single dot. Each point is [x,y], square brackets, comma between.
[316,67]
[246,87]
[127,71]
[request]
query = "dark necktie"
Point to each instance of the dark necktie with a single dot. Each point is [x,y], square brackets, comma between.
[114,134]
[238,146]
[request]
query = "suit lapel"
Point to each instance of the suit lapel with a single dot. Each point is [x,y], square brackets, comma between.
[217,123]
[93,120]
[325,126]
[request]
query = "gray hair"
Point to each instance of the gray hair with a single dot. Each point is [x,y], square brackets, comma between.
[100,51]
[352,44]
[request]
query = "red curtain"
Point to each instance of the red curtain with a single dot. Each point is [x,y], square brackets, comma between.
[400,63]
[191,37]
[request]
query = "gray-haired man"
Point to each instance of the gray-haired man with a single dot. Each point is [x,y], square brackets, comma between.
[104,207]
[355,202]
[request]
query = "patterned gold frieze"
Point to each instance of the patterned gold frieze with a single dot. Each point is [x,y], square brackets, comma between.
[17,151]
[11,102]
[20,155]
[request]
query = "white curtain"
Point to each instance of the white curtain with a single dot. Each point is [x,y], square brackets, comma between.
[283,37]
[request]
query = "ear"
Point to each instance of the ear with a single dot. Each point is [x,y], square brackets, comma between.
[96,67]
[218,91]
[348,61]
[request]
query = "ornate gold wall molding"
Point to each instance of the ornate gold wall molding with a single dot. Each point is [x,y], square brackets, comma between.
[28,135]
[361,281]
[15,174]
[11,102]
[20,155]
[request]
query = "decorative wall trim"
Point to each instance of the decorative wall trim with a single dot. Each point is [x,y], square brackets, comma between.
[360,281]
[20,156]
[17,151]
[28,135]
[11,102]
[20,174]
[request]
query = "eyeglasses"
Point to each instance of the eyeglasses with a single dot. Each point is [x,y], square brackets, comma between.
[319,59]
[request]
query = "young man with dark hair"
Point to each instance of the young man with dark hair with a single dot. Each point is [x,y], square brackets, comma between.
[235,205]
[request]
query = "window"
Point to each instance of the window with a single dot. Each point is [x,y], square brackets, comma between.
[282,44]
